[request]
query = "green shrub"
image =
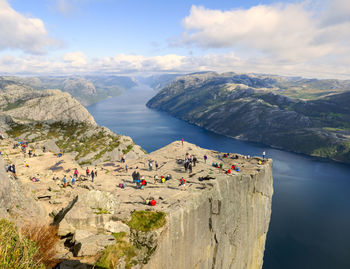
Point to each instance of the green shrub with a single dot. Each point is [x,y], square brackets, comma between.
[147,220]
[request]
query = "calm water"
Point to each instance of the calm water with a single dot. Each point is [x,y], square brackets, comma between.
[310,224]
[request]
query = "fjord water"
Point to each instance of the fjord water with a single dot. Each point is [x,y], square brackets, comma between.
[310,223]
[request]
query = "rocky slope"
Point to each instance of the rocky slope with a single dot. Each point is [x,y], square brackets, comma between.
[264,109]
[87,90]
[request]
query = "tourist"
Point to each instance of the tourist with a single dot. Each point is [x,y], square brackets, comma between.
[76,173]
[190,167]
[182,181]
[155,179]
[264,154]
[72,179]
[13,169]
[150,165]
[205,158]
[126,168]
[156,164]
[194,160]
[87,172]
[182,141]
[186,165]
[92,176]
[95,171]
[64,181]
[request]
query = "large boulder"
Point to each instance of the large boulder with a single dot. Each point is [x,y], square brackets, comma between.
[88,244]
[92,210]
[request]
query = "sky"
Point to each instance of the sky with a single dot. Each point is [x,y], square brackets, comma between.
[143,37]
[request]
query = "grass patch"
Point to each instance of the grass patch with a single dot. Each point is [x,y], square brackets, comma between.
[128,148]
[113,254]
[14,105]
[100,211]
[147,221]
[17,129]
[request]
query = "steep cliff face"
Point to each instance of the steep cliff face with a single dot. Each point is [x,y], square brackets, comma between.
[224,227]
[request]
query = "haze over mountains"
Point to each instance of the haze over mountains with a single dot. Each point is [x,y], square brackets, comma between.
[86,89]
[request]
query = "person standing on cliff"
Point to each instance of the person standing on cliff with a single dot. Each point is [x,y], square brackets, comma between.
[182,141]
[95,171]
[205,158]
[92,175]
[264,154]
[194,159]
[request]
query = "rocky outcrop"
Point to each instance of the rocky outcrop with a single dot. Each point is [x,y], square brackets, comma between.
[225,227]
[91,211]
[57,106]
[16,200]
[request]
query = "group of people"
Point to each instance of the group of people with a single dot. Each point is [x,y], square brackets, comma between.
[150,165]
[190,162]
[139,180]
[92,173]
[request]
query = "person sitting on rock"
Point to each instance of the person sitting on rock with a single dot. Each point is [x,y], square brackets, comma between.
[155,179]
[168,177]
[143,182]
[182,182]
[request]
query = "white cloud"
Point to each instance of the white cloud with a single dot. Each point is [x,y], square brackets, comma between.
[75,59]
[78,63]
[287,32]
[21,32]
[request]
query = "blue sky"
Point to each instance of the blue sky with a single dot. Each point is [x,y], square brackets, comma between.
[307,38]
